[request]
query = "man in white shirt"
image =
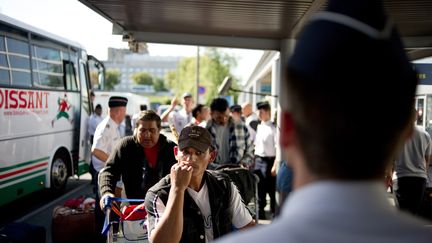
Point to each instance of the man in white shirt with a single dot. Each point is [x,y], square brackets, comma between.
[182,117]
[266,141]
[251,119]
[411,167]
[193,204]
[347,65]
[106,136]
[93,121]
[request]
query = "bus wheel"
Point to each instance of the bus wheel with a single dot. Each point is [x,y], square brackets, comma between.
[59,174]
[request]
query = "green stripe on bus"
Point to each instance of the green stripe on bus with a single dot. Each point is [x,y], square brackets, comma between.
[21,189]
[83,167]
[21,176]
[23,164]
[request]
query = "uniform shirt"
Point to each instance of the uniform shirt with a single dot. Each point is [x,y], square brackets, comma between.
[411,161]
[241,216]
[105,139]
[266,139]
[180,119]
[252,131]
[338,212]
[93,122]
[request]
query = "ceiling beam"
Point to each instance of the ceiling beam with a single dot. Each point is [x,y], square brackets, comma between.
[419,53]
[298,26]
[206,40]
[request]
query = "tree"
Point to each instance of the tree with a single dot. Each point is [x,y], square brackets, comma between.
[159,85]
[214,67]
[112,79]
[142,78]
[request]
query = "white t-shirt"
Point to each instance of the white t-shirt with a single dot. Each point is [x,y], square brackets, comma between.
[411,161]
[266,139]
[241,216]
[222,140]
[180,119]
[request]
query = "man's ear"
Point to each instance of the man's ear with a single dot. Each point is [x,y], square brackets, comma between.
[213,155]
[287,129]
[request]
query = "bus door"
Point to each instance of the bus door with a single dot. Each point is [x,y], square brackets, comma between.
[88,67]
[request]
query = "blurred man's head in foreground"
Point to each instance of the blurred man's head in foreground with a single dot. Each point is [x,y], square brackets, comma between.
[350,90]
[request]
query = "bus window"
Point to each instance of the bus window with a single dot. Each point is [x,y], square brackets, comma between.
[19,61]
[4,76]
[48,67]
[84,89]
[4,66]
[17,46]
[2,44]
[70,79]
[74,62]
[97,73]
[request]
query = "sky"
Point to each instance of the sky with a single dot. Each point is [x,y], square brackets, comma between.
[75,21]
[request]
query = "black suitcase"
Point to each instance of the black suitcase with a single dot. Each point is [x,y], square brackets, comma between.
[22,233]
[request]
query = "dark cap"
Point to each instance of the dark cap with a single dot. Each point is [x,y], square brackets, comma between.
[352,42]
[263,105]
[98,106]
[186,94]
[235,108]
[115,101]
[196,137]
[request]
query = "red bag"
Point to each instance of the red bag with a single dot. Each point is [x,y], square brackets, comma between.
[133,222]
[134,212]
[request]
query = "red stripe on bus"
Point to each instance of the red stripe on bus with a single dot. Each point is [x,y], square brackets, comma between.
[22,170]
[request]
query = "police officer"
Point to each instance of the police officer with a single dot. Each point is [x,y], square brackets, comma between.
[105,138]
[265,154]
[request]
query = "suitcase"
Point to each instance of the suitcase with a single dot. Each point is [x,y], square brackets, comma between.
[22,233]
[72,225]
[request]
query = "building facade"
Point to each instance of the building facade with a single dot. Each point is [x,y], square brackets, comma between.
[128,63]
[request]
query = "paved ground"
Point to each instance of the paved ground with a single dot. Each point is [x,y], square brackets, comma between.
[43,215]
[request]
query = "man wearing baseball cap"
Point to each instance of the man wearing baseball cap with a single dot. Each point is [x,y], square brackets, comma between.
[329,130]
[193,204]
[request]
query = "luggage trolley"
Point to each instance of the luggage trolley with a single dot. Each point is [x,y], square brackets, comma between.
[247,184]
[131,220]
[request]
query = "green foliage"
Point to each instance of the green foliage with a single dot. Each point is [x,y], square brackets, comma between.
[112,78]
[142,78]
[214,67]
[159,84]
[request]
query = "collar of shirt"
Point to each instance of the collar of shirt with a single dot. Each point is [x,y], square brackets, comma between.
[112,123]
[334,195]
[268,123]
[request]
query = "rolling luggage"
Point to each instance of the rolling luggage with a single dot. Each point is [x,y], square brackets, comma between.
[22,233]
[72,225]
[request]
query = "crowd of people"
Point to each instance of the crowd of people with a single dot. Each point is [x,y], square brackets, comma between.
[329,190]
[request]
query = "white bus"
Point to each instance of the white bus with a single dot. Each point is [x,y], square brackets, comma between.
[44,107]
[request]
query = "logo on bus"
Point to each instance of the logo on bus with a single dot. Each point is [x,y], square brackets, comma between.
[19,102]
